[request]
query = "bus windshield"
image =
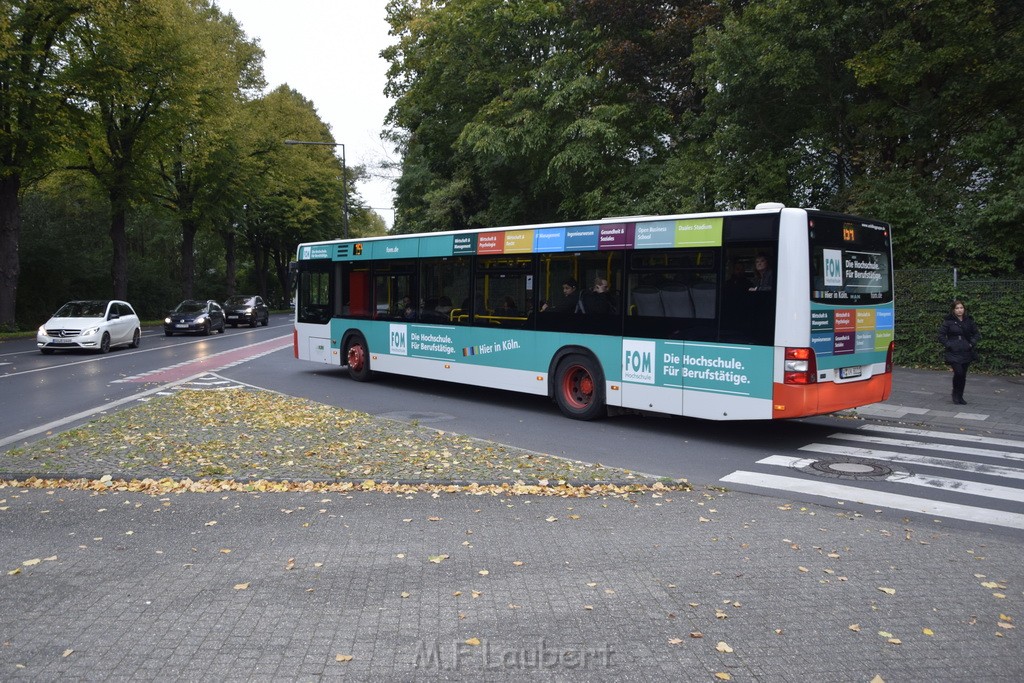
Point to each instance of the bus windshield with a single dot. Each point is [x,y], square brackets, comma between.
[850,261]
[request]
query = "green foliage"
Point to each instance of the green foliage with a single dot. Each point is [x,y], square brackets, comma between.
[923,298]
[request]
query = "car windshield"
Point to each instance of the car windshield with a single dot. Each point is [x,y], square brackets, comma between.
[82,309]
[191,307]
[238,300]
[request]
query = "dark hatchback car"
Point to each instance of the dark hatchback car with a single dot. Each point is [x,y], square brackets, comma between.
[246,309]
[195,316]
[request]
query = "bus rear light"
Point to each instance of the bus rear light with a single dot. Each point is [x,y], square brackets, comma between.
[888,356]
[800,366]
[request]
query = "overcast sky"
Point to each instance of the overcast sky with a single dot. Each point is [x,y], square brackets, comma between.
[329,51]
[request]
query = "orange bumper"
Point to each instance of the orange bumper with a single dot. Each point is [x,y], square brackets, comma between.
[803,400]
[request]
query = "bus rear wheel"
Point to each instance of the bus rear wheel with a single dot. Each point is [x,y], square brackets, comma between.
[357,355]
[579,388]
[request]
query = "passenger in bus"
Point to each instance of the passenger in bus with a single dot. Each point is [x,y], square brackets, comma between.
[509,307]
[571,303]
[738,280]
[598,299]
[764,276]
[444,306]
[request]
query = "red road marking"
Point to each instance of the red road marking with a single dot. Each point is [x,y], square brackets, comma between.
[214,362]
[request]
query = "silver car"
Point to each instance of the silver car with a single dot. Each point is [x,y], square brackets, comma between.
[96,325]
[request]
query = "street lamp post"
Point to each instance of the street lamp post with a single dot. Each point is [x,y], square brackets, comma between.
[344,177]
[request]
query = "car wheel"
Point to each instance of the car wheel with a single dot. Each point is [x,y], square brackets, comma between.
[105,343]
[357,355]
[266,320]
[579,388]
[46,352]
[206,329]
[136,339]
[254,321]
[223,328]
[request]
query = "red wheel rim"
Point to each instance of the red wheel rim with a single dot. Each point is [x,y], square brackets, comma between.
[356,357]
[578,387]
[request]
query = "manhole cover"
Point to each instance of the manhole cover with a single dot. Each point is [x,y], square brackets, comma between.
[850,468]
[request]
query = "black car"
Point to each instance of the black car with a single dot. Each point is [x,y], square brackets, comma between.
[247,309]
[195,316]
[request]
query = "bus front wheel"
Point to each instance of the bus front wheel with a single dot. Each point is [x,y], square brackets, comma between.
[357,356]
[579,388]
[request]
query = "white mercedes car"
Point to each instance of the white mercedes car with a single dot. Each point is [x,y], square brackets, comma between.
[93,325]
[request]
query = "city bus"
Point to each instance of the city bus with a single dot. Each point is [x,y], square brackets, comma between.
[671,314]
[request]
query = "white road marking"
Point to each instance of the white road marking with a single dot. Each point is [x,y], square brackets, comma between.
[808,487]
[925,460]
[921,445]
[971,488]
[948,436]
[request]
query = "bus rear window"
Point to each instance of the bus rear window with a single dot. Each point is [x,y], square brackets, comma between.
[850,261]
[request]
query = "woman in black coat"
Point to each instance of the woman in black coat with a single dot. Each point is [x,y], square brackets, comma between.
[959,334]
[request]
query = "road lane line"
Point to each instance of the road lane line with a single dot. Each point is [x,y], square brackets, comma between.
[775,483]
[924,460]
[948,436]
[927,446]
[967,487]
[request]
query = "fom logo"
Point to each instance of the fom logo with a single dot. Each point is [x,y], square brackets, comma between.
[399,340]
[638,361]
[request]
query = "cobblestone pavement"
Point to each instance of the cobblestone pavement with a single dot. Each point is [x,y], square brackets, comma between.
[700,585]
[682,586]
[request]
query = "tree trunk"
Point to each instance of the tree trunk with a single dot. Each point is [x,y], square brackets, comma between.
[10,236]
[119,241]
[230,262]
[189,227]
[259,259]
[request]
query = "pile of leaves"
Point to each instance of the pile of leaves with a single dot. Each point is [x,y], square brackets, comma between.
[248,439]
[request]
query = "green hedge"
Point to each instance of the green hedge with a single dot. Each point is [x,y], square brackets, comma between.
[923,298]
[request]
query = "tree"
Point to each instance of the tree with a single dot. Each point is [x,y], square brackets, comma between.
[32,36]
[535,111]
[137,72]
[902,110]
[201,181]
[294,193]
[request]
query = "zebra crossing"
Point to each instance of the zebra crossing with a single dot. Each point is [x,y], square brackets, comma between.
[954,475]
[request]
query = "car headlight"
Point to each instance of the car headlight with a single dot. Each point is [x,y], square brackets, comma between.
[248,311]
[167,320]
[91,331]
[42,331]
[201,319]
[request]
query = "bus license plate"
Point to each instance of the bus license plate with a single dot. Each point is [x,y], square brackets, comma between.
[847,373]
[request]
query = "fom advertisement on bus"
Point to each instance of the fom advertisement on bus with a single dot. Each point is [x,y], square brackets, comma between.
[698,366]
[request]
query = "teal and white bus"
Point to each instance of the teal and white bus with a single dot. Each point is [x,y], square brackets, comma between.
[670,314]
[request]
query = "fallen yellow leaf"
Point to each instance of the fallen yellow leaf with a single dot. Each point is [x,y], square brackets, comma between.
[723,646]
[472,641]
[241,586]
[887,591]
[343,658]
[928,632]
